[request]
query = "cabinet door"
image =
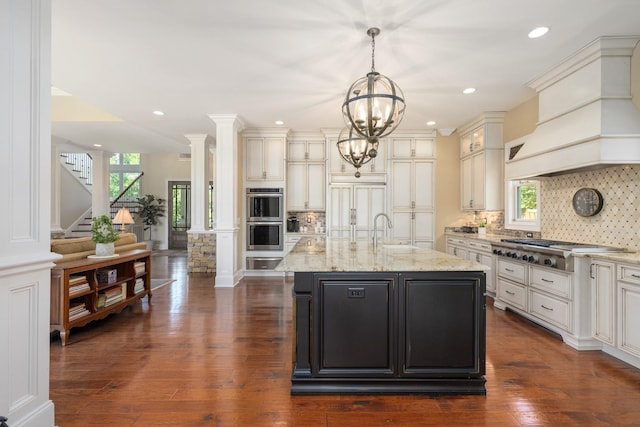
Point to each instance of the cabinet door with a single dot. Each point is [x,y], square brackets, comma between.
[297,186]
[336,163]
[368,202]
[465,144]
[423,227]
[401,184]
[422,185]
[424,147]
[427,324]
[402,230]
[367,345]
[274,158]
[629,318]
[315,150]
[254,149]
[401,147]
[316,186]
[467,183]
[338,216]
[478,181]
[297,150]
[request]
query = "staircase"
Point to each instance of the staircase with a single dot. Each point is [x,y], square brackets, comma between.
[79,164]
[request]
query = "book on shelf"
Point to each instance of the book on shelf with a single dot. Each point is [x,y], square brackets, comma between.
[139,286]
[80,287]
[140,267]
[77,311]
[74,280]
[114,294]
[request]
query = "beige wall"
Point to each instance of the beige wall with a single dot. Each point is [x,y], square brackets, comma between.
[447,185]
[521,120]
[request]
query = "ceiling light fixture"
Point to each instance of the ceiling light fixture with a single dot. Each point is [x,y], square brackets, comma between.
[158,113]
[374,104]
[431,123]
[373,107]
[356,149]
[279,122]
[469,90]
[538,32]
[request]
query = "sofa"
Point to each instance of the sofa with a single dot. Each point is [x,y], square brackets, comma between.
[81,247]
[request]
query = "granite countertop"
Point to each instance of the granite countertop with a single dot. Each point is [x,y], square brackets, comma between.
[631,258]
[320,254]
[490,238]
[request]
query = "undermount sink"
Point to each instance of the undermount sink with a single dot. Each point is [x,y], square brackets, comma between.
[400,246]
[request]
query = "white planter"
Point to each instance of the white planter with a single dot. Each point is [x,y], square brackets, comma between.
[105,249]
[482,231]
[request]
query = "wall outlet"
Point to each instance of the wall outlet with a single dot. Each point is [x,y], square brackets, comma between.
[529,234]
[308,220]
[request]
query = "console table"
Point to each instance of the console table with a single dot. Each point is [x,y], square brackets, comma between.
[91,289]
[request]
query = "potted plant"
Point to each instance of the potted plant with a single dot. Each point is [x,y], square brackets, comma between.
[103,234]
[151,210]
[482,227]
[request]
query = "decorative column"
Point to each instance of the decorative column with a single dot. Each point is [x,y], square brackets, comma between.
[56,228]
[201,244]
[100,186]
[25,172]
[227,220]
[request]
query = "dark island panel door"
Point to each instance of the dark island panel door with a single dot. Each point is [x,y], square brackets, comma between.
[355,327]
[441,325]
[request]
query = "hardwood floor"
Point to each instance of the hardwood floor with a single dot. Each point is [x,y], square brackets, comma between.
[204,356]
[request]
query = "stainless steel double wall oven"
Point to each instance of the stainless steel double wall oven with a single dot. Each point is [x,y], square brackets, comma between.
[265,219]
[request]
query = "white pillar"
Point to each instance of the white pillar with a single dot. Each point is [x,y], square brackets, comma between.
[100,186]
[56,170]
[228,269]
[25,173]
[200,177]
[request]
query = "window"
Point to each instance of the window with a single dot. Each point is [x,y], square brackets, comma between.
[123,170]
[523,205]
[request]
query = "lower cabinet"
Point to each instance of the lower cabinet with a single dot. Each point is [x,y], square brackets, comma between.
[389,333]
[629,309]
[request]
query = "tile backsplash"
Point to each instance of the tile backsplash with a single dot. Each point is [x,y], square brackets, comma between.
[617,224]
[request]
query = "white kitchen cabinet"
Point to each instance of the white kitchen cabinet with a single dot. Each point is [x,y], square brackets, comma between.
[264,158]
[306,173]
[412,201]
[481,163]
[354,204]
[629,308]
[480,252]
[457,247]
[340,171]
[306,186]
[407,147]
[603,288]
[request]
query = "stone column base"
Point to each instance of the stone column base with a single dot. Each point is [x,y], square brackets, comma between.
[201,253]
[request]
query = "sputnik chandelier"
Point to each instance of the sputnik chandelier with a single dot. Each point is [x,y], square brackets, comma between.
[373,108]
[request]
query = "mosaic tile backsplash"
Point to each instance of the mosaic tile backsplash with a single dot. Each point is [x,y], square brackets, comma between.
[617,224]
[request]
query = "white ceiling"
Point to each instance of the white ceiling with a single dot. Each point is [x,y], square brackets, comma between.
[292,60]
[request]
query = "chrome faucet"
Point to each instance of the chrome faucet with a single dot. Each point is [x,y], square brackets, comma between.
[375,228]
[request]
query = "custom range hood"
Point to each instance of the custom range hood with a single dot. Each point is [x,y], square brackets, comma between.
[586,119]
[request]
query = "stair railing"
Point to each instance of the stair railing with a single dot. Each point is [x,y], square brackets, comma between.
[126,199]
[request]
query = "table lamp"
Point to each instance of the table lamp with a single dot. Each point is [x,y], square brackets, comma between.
[124,218]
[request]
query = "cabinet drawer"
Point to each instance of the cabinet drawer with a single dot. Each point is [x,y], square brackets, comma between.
[512,293]
[553,310]
[479,246]
[511,270]
[551,281]
[629,273]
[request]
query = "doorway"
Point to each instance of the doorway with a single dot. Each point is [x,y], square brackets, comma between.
[180,212]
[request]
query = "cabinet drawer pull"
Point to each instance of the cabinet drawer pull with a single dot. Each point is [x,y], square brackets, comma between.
[637,276]
[509,270]
[545,307]
[545,280]
[510,292]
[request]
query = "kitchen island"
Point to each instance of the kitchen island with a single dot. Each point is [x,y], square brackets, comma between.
[394,319]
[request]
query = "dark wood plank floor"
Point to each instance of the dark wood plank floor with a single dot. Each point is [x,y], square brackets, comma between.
[204,356]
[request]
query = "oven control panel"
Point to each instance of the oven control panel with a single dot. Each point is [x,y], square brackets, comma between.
[533,257]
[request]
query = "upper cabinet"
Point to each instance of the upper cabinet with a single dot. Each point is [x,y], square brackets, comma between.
[481,163]
[306,173]
[407,147]
[264,153]
[342,172]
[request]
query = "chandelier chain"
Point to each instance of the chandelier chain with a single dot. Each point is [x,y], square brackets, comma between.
[373,53]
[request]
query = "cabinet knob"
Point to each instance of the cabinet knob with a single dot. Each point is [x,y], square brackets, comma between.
[264,175]
[306,155]
[413,205]
[470,203]
[413,152]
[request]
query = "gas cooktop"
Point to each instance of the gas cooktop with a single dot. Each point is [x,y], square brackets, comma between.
[565,246]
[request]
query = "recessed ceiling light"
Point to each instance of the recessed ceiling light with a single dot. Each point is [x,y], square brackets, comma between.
[431,123]
[469,90]
[158,113]
[538,32]
[97,145]
[279,122]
